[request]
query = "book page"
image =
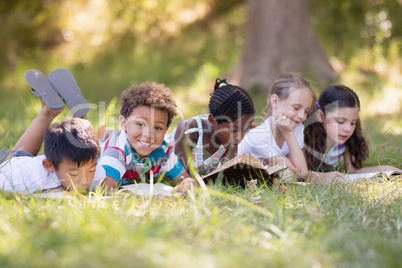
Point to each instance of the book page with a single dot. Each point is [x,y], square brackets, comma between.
[51,195]
[244,162]
[379,176]
[275,168]
[148,189]
[245,159]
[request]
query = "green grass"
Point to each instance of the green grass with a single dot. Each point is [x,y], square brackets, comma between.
[314,226]
[318,226]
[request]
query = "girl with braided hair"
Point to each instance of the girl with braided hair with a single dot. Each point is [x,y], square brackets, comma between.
[215,136]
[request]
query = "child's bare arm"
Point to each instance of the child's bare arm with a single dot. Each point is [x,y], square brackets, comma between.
[296,156]
[109,185]
[31,140]
[324,177]
[295,159]
[348,162]
[377,169]
[351,169]
[280,159]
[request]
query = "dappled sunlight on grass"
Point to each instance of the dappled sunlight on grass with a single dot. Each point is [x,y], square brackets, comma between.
[378,84]
[193,99]
[381,132]
[386,193]
[393,125]
[215,232]
[380,95]
[388,100]
[306,226]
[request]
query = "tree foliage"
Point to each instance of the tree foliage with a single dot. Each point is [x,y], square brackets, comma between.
[29,28]
[345,26]
[34,29]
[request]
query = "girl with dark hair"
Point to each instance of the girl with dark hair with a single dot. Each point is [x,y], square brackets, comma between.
[213,137]
[335,131]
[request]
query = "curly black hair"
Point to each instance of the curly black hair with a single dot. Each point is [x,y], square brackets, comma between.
[148,94]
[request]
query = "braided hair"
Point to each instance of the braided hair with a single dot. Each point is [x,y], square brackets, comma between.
[229,102]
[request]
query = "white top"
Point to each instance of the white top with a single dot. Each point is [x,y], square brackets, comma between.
[260,142]
[213,161]
[26,174]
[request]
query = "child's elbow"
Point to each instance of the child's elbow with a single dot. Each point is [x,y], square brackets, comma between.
[303,174]
[300,172]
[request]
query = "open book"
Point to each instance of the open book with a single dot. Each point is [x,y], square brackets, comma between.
[242,168]
[378,176]
[138,188]
[148,189]
[357,177]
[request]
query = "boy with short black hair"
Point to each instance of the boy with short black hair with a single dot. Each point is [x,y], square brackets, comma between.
[139,149]
[71,146]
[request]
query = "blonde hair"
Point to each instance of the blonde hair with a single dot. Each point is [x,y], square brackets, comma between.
[281,87]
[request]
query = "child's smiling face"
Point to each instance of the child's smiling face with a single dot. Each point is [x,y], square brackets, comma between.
[340,124]
[146,127]
[295,107]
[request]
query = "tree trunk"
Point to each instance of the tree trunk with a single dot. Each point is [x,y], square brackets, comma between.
[280,38]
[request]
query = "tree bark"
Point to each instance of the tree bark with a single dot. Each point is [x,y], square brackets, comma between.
[280,38]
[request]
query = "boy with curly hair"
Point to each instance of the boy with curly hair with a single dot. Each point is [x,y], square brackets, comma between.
[138,149]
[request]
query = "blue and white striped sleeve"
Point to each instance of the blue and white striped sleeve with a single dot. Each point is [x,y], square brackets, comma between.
[172,165]
[113,162]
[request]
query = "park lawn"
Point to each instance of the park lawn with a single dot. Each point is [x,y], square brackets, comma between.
[321,226]
[314,226]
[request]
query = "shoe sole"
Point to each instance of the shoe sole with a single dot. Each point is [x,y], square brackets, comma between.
[42,86]
[64,83]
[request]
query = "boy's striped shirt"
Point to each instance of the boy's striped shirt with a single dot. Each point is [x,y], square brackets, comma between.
[122,163]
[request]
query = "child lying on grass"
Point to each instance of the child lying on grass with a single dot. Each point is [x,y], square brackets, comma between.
[335,132]
[71,147]
[213,138]
[138,150]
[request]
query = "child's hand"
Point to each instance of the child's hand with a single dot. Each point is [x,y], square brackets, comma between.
[165,198]
[53,190]
[326,177]
[282,123]
[186,185]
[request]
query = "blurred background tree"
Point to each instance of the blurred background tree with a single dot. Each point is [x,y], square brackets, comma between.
[280,38]
[186,44]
